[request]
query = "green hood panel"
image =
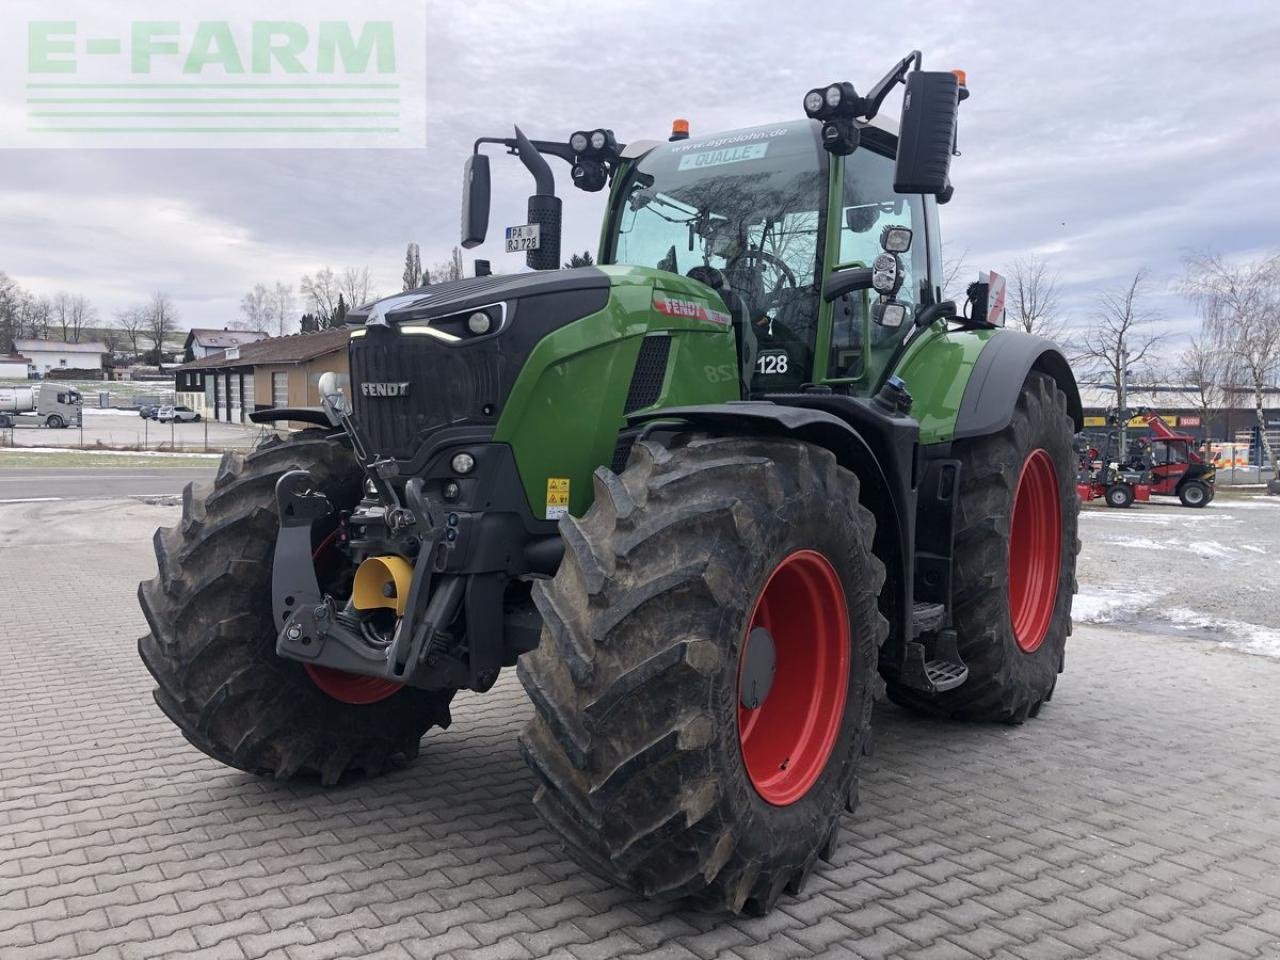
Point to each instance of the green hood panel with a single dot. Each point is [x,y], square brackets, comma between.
[566,407]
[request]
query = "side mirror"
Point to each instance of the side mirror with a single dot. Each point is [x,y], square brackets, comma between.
[927,134]
[475,200]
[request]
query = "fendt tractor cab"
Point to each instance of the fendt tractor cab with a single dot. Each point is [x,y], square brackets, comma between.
[705,493]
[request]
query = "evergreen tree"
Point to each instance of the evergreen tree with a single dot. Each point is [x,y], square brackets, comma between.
[583,259]
[412,276]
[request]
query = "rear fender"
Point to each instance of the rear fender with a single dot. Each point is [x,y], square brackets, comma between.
[891,502]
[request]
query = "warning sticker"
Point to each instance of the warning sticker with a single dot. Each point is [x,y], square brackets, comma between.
[557,497]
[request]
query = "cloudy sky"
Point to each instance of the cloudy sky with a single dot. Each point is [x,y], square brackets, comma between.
[1104,137]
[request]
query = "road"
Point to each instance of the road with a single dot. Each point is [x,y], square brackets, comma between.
[1137,818]
[93,483]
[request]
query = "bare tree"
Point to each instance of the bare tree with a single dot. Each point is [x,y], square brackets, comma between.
[1032,303]
[450,269]
[1201,369]
[256,309]
[161,320]
[1118,343]
[321,292]
[10,296]
[35,314]
[132,321]
[954,284]
[283,307]
[356,286]
[60,312]
[1240,306]
[112,335]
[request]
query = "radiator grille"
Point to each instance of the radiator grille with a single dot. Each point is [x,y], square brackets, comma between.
[649,375]
[445,387]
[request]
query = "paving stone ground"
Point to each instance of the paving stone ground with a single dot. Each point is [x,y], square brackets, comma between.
[1138,817]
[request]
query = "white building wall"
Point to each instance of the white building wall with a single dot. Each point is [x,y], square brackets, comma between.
[46,360]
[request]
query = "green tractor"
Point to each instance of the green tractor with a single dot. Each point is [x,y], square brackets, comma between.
[708,497]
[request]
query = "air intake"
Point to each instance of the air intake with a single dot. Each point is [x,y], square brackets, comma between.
[649,375]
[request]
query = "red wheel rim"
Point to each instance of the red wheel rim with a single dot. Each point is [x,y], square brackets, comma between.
[787,740]
[353,688]
[1035,548]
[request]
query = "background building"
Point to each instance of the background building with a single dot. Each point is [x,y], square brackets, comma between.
[14,366]
[275,372]
[89,360]
[203,342]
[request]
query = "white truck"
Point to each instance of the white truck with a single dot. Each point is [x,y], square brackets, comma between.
[42,405]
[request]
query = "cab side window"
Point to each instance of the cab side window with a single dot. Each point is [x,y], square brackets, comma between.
[869,204]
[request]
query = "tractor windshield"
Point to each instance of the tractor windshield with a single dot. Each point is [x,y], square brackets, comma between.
[748,205]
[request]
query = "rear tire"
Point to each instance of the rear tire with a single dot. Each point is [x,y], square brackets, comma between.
[1193,493]
[1012,619]
[211,648]
[639,740]
[1119,495]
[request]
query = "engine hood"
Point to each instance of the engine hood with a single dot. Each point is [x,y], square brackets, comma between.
[439,299]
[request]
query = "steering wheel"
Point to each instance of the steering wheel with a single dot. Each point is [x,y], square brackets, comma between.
[785,276]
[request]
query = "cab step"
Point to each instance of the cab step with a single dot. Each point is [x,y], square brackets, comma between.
[927,618]
[942,671]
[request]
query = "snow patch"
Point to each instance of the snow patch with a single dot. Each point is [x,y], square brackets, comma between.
[1106,604]
[1234,634]
[1210,550]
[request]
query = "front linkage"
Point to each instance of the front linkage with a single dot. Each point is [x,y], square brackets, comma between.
[315,630]
[416,561]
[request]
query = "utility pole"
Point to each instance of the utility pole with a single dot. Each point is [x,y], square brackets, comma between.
[1124,401]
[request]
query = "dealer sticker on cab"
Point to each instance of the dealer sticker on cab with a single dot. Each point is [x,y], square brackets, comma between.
[557,497]
[718,158]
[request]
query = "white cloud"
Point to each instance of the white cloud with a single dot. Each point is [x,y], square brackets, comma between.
[1103,136]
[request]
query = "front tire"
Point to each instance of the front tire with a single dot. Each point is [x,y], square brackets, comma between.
[1120,496]
[211,648]
[1015,561]
[55,422]
[657,766]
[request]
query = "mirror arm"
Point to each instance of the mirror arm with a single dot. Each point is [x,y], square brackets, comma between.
[872,102]
[846,281]
[934,312]
[545,147]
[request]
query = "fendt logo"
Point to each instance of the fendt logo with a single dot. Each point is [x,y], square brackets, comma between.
[384,389]
[220,73]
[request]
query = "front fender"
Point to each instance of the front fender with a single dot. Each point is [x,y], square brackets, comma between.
[997,379]
[886,487]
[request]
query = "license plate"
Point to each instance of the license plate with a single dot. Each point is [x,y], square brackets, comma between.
[520,239]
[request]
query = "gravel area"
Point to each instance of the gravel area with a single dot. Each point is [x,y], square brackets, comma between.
[1209,574]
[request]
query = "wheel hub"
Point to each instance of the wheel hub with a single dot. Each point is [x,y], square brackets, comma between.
[793,677]
[759,660]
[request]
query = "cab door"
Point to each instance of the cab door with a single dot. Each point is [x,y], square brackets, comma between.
[1169,462]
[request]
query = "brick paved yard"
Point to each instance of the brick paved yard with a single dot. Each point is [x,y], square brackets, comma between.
[1138,817]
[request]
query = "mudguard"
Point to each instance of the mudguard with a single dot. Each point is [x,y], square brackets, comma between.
[997,379]
[884,467]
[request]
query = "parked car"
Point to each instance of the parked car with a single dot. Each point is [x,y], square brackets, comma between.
[148,411]
[177,415]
